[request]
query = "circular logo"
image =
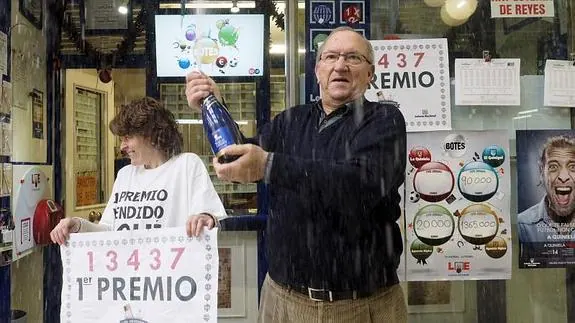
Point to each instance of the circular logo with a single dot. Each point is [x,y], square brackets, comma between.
[478,224]
[322,14]
[419,156]
[318,39]
[493,155]
[221,61]
[433,224]
[433,181]
[454,145]
[496,248]
[420,250]
[477,181]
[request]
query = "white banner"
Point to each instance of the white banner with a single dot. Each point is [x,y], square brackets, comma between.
[522,8]
[414,73]
[144,276]
[457,206]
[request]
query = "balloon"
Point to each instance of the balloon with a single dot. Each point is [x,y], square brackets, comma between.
[460,9]
[206,50]
[191,32]
[434,3]
[450,21]
[228,35]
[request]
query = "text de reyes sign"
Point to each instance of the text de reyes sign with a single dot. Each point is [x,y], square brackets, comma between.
[141,276]
[522,8]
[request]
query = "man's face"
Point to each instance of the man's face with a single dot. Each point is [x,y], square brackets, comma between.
[340,81]
[559,176]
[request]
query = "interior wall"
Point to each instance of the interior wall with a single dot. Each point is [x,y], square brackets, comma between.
[28,73]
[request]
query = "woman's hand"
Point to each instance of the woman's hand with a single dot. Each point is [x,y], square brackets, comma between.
[196,224]
[61,233]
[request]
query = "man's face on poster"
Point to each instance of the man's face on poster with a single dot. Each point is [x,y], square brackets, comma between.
[559,179]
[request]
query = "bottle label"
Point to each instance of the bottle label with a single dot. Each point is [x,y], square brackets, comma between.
[220,139]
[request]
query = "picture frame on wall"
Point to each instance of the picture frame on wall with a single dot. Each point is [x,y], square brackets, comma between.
[232,290]
[33,11]
[435,297]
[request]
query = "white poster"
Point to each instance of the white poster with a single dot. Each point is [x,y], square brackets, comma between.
[559,88]
[522,8]
[414,73]
[493,82]
[140,276]
[457,206]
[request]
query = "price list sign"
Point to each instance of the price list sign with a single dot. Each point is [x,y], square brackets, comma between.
[559,88]
[414,74]
[457,207]
[144,276]
[493,82]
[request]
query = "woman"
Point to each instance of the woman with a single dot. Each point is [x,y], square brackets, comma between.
[162,187]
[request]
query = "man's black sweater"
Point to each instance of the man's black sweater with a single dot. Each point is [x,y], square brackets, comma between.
[334,198]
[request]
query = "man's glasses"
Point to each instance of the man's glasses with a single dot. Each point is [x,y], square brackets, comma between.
[350,58]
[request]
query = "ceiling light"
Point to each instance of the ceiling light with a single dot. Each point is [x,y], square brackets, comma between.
[234,8]
[123,7]
[527,111]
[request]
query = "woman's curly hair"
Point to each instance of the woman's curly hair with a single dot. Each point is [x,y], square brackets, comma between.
[148,118]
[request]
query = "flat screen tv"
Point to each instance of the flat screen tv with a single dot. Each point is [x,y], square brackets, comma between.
[219,45]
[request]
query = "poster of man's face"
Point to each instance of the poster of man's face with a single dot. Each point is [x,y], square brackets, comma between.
[546,170]
[546,197]
[558,170]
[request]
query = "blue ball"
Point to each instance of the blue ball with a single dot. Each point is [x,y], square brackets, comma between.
[493,155]
[184,63]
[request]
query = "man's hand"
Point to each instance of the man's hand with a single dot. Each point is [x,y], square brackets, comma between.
[249,167]
[199,86]
[197,222]
[61,233]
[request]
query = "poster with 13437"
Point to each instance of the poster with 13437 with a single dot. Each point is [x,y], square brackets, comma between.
[457,206]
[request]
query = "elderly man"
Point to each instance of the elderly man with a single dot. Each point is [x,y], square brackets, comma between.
[333,169]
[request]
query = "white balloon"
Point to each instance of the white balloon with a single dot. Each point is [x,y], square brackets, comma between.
[434,3]
[450,21]
[460,9]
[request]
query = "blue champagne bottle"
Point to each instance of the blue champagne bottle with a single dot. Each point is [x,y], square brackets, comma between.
[220,128]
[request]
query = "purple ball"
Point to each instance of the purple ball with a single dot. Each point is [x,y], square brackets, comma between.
[191,34]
